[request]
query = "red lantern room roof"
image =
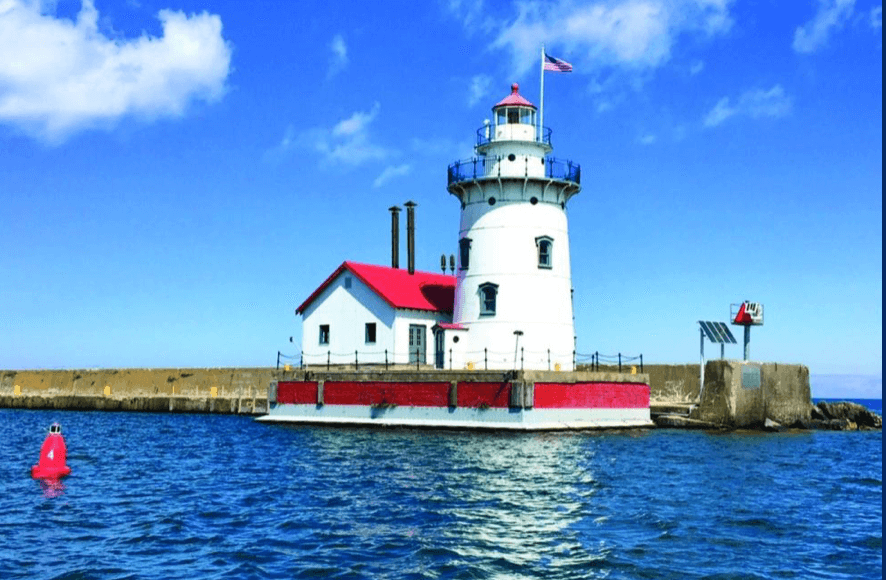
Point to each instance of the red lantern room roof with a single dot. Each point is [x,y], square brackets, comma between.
[514,99]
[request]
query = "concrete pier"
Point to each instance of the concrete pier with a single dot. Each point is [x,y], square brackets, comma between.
[736,394]
[210,390]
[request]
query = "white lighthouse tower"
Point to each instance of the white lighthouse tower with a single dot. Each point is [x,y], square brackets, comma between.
[513,296]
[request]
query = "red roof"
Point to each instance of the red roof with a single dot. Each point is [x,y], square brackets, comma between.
[514,99]
[419,291]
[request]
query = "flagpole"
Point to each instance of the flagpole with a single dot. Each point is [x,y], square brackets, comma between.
[541,117]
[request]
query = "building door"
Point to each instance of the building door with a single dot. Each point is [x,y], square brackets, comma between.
[439,349]
[417,344]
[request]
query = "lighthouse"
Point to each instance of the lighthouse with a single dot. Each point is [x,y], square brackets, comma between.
[513,292]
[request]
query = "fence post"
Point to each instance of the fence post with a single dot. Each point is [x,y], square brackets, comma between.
[641,362]
[450,359]
[619,362]
[278,360]
[596,360]
[485,360]
[356,362]
[301,359]
[521,358]
[328,355]
[573,360]
[386,359]
[416,358]
[549,359]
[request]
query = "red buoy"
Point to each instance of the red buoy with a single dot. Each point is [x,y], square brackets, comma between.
[53,455]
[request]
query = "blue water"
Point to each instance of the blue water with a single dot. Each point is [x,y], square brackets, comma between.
[201,496]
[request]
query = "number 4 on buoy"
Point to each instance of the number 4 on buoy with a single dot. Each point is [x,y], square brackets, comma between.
[53,454]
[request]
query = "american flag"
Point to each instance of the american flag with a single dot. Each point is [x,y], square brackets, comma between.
[556,65]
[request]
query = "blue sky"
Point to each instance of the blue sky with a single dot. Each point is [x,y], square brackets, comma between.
[177,176]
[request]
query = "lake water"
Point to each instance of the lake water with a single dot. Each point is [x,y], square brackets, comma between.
[203,496]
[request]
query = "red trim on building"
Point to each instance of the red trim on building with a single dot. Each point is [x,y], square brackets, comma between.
[399,394]
[515,99]
[493,395]
[297,393]
[591,396]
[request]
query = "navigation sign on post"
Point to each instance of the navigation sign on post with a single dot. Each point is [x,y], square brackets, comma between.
[747,314]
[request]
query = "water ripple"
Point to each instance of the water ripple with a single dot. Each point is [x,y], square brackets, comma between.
[183,496]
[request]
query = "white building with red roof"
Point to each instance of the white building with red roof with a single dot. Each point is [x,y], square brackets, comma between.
[374,314]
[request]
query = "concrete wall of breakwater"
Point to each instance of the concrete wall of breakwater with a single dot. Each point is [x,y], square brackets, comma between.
[783,394]
[668,383]
[215,390]
[746,394]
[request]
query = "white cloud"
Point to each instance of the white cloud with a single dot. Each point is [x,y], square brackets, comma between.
[876,17]
[58,76]
[696,68]
[632,34]
[755,104]
[831,16]
[647,139]
[391,172]
[339,58]
[471,13]
[479,88]
[348,141]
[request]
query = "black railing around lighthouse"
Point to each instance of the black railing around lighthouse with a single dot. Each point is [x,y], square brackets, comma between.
[486,167]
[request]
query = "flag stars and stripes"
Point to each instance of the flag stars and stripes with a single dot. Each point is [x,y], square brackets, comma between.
[556,65]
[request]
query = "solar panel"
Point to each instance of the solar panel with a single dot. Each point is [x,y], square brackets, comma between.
[717,332]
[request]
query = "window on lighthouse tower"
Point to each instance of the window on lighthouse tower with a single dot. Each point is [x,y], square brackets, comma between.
[464,253]
[545,247]
[488,293]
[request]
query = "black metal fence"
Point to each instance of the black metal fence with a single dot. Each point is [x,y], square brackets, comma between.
[386,359]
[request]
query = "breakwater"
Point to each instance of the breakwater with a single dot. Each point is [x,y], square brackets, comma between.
[208,390]
[736,394]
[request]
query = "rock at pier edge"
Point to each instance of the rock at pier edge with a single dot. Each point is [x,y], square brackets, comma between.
[844,416]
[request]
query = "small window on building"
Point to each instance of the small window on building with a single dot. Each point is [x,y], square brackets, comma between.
[347,282]
[488,294]
[370,333]
[513,115]
[545,247]
[324,334]
[464,253]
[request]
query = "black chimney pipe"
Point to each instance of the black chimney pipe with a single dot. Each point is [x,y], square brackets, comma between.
[395,236]
[410,235]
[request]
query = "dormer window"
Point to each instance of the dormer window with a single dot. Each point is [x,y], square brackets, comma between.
[488,295]
[464,253]
[545,247]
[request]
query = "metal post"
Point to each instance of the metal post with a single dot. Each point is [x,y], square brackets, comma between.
[278,360]
[596,360]
[416,358]
[521,358]
[450,359]
[747,341]
[641,362]
[701,364]
[301,360]
[386,359]
[619,362]
[485,361]
[328,355]
[356,362]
